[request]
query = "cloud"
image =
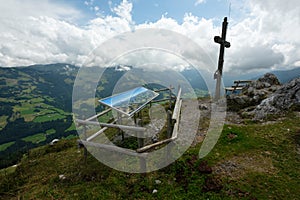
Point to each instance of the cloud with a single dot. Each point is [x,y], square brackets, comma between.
[199,30]
[18,9]
[244,60]
[44,37]
[29,29]
[297,63]
[42,40]
[89,3]
[124,10]
[198,2]
[266,37]
[151,58]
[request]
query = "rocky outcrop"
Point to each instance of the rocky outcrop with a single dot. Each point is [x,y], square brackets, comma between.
[266,97]
[284,99]
[267,81]
[254,93]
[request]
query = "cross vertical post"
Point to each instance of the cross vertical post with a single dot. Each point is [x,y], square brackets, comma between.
[223,44]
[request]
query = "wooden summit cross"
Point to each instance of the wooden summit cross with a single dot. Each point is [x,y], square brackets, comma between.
[223,43]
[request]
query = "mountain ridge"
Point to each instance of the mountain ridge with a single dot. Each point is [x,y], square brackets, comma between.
[284,76]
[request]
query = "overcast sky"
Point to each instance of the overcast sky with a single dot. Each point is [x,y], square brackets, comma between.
[264,34]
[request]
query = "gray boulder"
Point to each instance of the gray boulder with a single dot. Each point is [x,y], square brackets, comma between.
[285,98]
[254,93]
[267,81]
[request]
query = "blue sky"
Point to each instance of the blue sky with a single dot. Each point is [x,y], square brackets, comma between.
[264,34]
[152,10]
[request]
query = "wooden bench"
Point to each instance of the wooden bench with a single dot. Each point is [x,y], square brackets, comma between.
[239,85]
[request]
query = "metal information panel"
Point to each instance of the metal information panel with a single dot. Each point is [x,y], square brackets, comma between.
[131,101]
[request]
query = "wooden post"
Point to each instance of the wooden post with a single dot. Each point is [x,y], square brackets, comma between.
[176,110]
[140,138]
[169,135]
[170,97]
[134,118]
[85,138]
[123,137]
[169,127]
[141,118]
[120,122]
[141,142]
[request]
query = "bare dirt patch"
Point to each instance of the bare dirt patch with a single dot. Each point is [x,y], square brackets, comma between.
[238,166]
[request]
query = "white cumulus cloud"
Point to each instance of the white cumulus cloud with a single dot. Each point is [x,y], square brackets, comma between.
[265,37]
[124,10]
[198,2]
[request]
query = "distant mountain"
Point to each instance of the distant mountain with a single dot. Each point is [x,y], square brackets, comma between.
[284,76]
[194,78]
[287,76]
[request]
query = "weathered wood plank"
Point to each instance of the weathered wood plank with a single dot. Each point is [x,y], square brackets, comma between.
[176,125]
[164,89]
[98,115]
[242,81]
[96,134]
[150,146]
[130,128]
[177,106]
[160,100]
[233,88]
[114,149]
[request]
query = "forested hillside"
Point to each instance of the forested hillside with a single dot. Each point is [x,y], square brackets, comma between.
[35,107]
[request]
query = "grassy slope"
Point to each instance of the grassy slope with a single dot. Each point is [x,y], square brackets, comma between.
[5,145]
[260,161]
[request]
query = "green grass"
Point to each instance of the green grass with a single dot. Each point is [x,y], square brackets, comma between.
[27,112]
[90,179]
[3,121]
[28,90]
[266,166]
[71,128]
[48,117]
[26,109]
[4,146]
[70,137]
[11,82]
[37,111]
[37,100]
[105,118]
[8,170]
[268,156]
[37,138]
[50,131]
